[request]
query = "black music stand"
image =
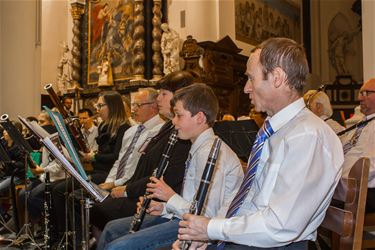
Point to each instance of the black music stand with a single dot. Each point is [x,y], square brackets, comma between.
[238,135]
[25,232]
[4,159]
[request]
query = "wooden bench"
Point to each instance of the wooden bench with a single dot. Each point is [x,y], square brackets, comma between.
[345,216]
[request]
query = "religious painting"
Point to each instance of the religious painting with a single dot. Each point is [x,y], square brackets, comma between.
[258,20]
[110,31]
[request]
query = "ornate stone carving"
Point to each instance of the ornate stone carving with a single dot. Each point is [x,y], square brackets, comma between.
[139,42]
[76,11]
[156,37]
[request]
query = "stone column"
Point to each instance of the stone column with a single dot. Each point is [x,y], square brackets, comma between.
[139,42]
[157,60]
[78,8]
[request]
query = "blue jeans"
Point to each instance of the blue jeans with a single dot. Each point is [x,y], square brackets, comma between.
[155,232]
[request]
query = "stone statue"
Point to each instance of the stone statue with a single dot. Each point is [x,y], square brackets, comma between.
[338,49]
[170,48]
[105,71]
[64,71]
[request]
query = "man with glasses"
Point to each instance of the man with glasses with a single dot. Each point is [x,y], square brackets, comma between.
[145,112]
[360,141]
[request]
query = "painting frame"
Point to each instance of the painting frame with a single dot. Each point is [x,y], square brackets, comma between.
[108,37]
[258,20]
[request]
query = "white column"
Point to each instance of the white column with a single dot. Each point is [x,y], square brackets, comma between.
[368,38]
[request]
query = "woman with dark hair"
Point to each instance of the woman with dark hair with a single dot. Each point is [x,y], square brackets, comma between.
[110,133]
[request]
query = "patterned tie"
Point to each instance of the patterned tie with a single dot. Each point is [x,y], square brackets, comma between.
[124,159]
[264,133]
[353,141]
[187,165]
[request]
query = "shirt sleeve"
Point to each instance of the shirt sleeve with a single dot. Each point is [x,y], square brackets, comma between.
[299,181]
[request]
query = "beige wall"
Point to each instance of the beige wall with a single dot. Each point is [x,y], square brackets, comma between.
[54,35]
[201,18]
[20,59]
[368,21]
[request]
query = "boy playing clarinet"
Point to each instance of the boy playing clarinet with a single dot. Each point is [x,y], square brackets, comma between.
[195,109]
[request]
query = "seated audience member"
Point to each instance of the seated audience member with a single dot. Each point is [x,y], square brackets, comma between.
[360,141]
[124,198]
[292,150]
[318,102]
[89,130]
[195,109]
[110,134]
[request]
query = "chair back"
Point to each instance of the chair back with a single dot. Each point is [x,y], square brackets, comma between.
[345,216]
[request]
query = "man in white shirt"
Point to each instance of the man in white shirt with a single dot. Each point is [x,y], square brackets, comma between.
[360,141]
[318,102]
[145,112]
[288,194]
[89,130]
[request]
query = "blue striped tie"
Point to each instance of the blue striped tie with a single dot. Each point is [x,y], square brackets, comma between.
[124,159]
[264,133]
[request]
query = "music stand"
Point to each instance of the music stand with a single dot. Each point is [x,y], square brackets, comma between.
[4,159]
[91,188]
[25,232]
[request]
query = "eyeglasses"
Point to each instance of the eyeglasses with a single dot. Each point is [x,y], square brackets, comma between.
[138,105]
[366,92]
[99,105]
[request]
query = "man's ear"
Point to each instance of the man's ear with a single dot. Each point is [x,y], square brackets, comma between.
[201,117]
[279,76]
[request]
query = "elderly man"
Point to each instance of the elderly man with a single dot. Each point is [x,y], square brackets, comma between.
[359,142]
[292,150]
[318,102]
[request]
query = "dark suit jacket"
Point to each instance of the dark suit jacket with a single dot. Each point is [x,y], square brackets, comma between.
[114,208]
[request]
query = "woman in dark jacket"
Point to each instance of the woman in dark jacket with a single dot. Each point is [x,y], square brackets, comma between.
[111,131]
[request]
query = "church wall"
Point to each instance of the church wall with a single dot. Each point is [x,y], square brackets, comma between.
[201,19]
[54,34]
[20,59]
[368,20]
[227,25]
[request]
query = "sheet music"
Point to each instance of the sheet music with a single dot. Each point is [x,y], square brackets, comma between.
[98,194]
[65,137]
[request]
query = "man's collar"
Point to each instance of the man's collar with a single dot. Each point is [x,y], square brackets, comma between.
[286,114]
[155,120]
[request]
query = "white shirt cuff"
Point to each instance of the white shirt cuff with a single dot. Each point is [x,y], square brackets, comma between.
[215,229]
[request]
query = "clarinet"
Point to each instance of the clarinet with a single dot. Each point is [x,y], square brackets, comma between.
[47,213]
[158,173]
[200,197]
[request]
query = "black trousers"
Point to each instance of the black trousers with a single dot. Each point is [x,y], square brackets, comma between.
[64,189]
[301,245]
[111,209]
[370,202]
